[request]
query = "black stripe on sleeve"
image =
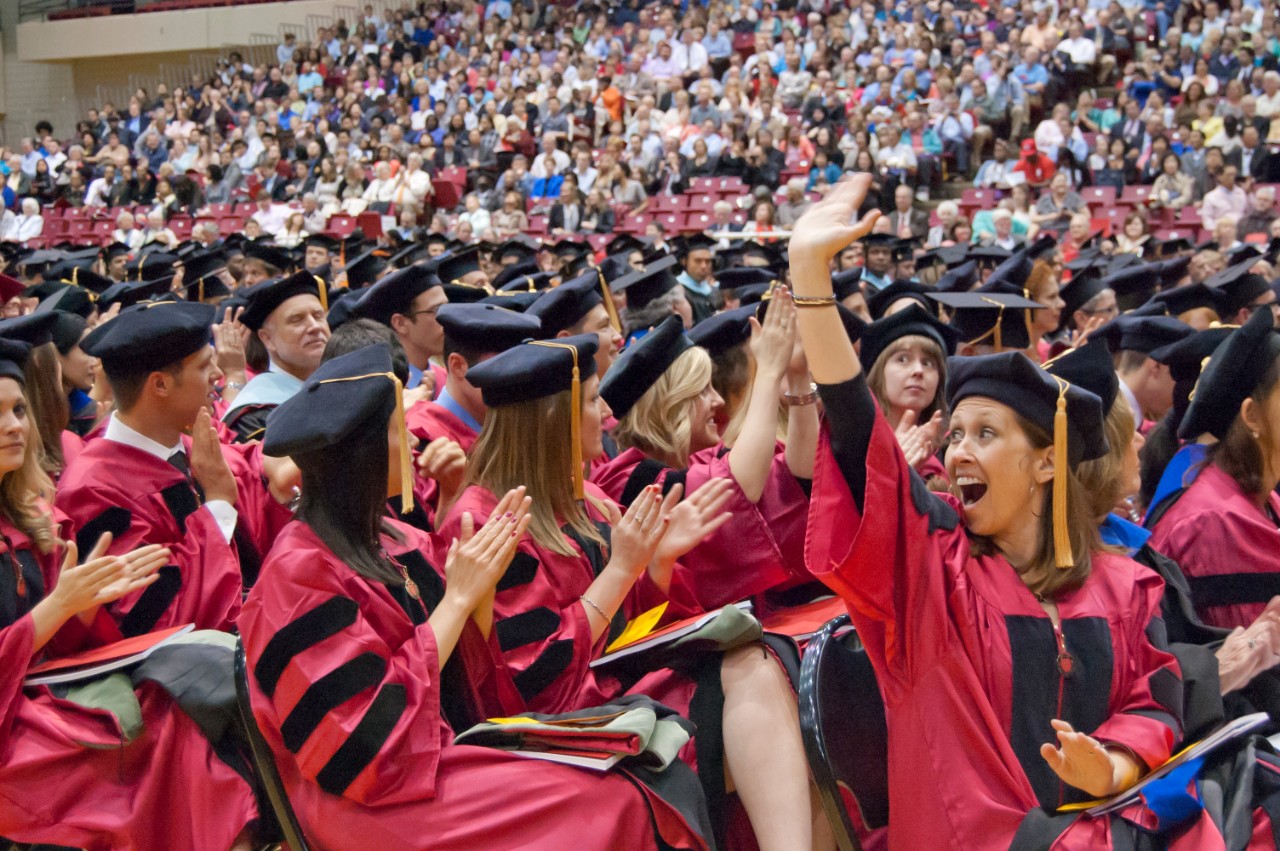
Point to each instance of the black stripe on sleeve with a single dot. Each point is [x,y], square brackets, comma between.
[521,571]
[328,693]
[325,620]
[527,628]
[545,669]
[365,741]
[115,520]
[645,474]
[153,603]
[851,414]
[1233,589]
[182,502]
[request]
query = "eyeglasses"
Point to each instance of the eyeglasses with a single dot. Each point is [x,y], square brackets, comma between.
[430,311]
[1113,310]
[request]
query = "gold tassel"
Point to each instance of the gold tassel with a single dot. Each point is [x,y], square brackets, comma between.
[1062,554]
[321,290]
[1026,318]
[575,417]
[609,306]
[75,276]
[406,457]
[200,283]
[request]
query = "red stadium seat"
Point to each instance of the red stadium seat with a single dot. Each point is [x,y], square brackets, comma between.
[445,194]
[537,225]
[1098,194]
[979,198]
[455,175]
[697,221]
[1189,216]
[1135,194]
[598,241]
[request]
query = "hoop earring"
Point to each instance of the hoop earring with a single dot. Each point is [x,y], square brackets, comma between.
[1030,492]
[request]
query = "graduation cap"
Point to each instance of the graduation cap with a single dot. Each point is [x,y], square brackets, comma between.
[114,250]
[265,297]
[904,249]
[395,293]
[570,249]
[365,268]
[1233,373]
[1133,286]
[574,266]
[13,359]
[1167,247]
[949,256]
[127,293]
[846,283]
[642,363]
[880,303]
[35,329]
[149,337]
[1089,366]
[70,300]
[10,288]
[89,280]
[694,242]
[1017,269]
[879,240]
[341,308]
[749,284]
[151,266]
[625,243]
[1083,288]
[960,279]
[915,320]
[516,275]
[340,397]
[535,370]
[1172,271]
[271,254]
[1072,415]
[1145,334]
[1185,359]
[440,239]
[408,255]
[200,275]
[454,266]
[1179,300]
[988,315]
[519,247]
[989,256]
[561,308]
[655,281]
[517,300]
[323,240]
[753,253]
[464,294]
[1238,285]
[486,328]
[233,244]
[723,331]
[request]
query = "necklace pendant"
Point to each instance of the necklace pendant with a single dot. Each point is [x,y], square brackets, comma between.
[411,587]
[1066,664]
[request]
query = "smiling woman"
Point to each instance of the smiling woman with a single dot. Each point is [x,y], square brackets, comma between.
[1016,656]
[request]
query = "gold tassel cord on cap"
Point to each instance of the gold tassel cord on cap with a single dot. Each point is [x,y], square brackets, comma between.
[575,418]
[609,306]
[406,457]
[321,290]
[1026,318]
[994,331]
[1062,554]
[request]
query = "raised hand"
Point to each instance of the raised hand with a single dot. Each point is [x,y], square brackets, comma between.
[1083,762]
[691,521]
[208,465]
[773,340]
[636,535]
[478,559]
[918,441]
[229,337]
[828,225]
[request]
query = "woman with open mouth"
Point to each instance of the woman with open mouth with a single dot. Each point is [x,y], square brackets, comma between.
[1021,664]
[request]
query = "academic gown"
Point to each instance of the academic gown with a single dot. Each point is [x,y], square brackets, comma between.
[144,500]
[345,687]
[248,412]
[966,658]
[66,778]
[427,421]
[760,548]
[1228,547]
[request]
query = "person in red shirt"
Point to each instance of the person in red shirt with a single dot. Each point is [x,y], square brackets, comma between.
[1037,167]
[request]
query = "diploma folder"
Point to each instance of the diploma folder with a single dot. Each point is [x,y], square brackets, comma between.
[102,660]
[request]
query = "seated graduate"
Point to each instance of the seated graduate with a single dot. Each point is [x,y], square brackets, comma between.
[46,399]
[287,316]
[1016,655]
[407,301]
[216,507]
[351,635]
[1223,529]
[71,774]
[1215,663]
[585,569]
[661,392]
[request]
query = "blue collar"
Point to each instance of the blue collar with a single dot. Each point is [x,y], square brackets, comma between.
[451,405]
[1118,532]
[1179,473]
[415,377]
[701,288]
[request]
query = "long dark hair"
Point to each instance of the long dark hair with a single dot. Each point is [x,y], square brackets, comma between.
[344,497]
[50,409]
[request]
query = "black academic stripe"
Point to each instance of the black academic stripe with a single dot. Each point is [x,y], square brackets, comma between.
[365,741]
[325,620]
[928,505]
[430,585]
[521,571]
[153,602]
[1085,694]
[644,474]
[327,694]
[114,519]
[533,680]
[182,502]
[1233,589]
[527,628]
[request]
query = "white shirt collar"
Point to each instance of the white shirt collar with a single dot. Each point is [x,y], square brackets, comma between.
[121,433]
[1132,401]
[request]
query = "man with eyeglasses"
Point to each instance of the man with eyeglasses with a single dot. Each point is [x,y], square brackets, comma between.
[406,301]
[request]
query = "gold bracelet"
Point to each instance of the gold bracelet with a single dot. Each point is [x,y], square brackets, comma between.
[813,300]
[584,598]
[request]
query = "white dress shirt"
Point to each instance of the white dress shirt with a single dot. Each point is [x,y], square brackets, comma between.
[224,514]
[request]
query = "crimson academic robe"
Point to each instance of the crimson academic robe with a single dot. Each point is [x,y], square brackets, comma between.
[144,500]
[426,421]
[762,545]
[1228,547]
[345,684]
[66,777]
[966,658]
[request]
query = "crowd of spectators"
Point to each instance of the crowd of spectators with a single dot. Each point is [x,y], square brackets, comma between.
[585,113]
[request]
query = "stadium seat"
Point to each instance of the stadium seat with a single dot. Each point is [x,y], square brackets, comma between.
[446,194]
[1135,194]
[268,774]
[846,740]
[1098,194]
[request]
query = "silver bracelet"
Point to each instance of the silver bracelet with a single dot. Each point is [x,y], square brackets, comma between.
[233,385]
[797,400]
[584,598]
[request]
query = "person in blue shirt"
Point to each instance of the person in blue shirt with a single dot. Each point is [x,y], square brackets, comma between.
[717,42]
[1031,74]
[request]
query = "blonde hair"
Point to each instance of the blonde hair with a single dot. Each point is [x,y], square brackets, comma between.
[22,490]
[1104,477]
[658,424]
[528,444]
